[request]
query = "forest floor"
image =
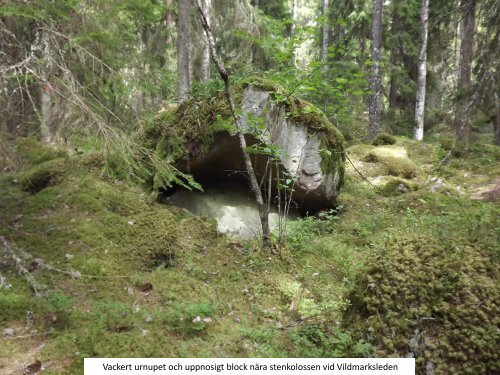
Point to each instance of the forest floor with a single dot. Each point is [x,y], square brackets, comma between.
[409,267]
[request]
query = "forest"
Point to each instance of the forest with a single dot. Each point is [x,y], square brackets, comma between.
[249,178]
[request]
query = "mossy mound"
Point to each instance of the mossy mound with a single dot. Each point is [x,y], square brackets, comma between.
[384,139]
[35,152]
[437,301]
[45,174]
[17,153]
[396,186]
[384,161]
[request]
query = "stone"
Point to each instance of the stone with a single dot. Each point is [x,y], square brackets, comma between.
[309,149]
[402,188]
[438,184]
[8,332]
[489,193]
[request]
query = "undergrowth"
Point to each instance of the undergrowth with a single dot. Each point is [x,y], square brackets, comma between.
[387,274]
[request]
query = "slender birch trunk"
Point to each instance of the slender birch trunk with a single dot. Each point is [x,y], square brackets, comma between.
[422,72]
[263,212]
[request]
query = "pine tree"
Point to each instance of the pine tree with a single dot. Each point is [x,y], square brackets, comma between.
[376,79]
[184,61]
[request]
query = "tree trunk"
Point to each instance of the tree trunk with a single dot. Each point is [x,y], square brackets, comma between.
[168,20]
[393,85]
[254,184]
[325,33]
[496,121]
[205,53]
[292,31]
[375,82]
[422,72]
[462,120]
[184,64]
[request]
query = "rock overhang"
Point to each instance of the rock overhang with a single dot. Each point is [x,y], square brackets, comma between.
[200,139]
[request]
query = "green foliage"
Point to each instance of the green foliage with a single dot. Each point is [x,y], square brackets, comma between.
[40,10]
[59,302]
[197,313]
[13,305]
[320,340]
[305,229]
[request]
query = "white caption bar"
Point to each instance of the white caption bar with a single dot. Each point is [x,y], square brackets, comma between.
[247,366]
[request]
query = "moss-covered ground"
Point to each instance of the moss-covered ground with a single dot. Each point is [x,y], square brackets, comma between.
[410,273]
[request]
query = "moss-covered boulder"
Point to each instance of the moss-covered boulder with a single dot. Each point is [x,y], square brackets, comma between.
[199,138]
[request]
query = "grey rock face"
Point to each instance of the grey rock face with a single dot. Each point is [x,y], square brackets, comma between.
[299,149]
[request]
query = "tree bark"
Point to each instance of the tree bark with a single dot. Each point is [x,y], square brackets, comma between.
[496,122]
[393,85]
[263,212]
[292,31]
[375,82]
[205,53]
[462,119]
[168,19]
[422,72]
[325,33]
[184,63]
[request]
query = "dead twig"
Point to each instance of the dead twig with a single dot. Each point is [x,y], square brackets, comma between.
[10,251]
[356,169]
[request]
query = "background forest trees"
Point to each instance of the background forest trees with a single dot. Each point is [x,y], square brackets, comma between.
[70,63]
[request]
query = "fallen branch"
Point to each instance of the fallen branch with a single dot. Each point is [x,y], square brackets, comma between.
[441,162]
[71,273]
[10,251]
[356,169]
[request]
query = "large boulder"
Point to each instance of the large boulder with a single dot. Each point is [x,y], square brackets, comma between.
[199,138]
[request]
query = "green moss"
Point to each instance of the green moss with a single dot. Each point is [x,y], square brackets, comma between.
[262,84]
[399,167]
[435,293]
[384,139]
[397,186]
[389,162]
[45,174]
[442,282]
[35,152]
[13,305]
